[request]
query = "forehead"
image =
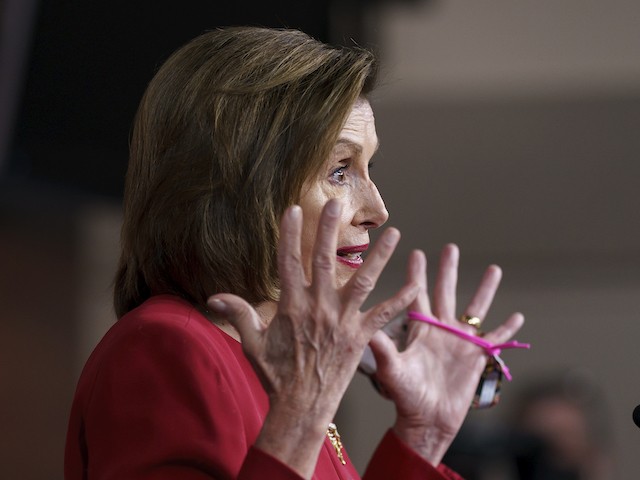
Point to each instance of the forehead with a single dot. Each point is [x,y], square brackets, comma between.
[360,121]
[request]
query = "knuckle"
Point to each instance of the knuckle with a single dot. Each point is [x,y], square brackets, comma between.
[291,310]
[322,261]
[363,283]
[290,259]
[289,267]
[324,315]
[385,314]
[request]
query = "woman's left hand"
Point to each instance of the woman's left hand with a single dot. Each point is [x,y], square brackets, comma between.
[432,381]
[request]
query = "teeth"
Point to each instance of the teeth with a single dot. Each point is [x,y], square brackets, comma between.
[351,256]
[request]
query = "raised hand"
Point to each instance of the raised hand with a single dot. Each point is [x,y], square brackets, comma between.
[433,379]
[306,355]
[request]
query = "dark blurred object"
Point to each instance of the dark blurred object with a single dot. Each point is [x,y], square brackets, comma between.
[559,430]
[89,63]
[636,416]
[477,454]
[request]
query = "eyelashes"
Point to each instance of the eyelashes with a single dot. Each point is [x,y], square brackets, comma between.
[339,174]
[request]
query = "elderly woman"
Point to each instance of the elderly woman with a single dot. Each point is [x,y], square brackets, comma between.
[241,282]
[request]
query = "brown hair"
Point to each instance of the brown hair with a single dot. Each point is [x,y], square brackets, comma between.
[226,134]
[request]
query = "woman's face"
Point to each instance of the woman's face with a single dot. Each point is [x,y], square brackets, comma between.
[345,176]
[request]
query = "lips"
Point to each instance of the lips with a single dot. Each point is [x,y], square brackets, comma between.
[351,255]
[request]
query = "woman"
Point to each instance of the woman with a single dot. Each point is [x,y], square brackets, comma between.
[248,206]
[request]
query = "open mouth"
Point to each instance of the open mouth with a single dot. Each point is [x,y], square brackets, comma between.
[351,256]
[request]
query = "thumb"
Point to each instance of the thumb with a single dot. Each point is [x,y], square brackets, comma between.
[384,351]
[240,314]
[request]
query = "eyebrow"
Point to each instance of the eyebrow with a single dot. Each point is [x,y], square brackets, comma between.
[356,147]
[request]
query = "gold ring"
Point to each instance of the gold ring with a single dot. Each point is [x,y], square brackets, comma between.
[471,320]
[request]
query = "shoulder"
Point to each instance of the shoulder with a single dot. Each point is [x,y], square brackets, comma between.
[164,313]
[162,386]
[165,324]
[165,340]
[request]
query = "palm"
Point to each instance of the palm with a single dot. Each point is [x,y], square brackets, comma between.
[433,379]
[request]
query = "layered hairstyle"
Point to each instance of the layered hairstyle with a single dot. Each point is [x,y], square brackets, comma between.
[227,133]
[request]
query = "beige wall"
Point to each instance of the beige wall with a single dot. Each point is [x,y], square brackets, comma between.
[510,128]
[501,47]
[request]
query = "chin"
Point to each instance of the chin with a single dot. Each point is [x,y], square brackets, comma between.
[343,275]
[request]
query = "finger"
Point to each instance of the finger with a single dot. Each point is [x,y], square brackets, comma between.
[290,266]
[324,251]
[384,351]
[507,330]
[379,315]
[241,315]
[362,283]
[417,273]
[481,301]
[444,296]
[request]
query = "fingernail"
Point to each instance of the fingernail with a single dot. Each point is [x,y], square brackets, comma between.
[392,236]
[218,306]
[295,211]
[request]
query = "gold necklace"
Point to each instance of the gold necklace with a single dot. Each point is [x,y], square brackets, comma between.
[334,437]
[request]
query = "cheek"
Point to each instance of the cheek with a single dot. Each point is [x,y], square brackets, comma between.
[343,275]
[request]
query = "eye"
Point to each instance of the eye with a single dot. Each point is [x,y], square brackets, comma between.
[338,175]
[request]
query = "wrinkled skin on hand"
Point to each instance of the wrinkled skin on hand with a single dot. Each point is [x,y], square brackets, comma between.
[433,379]
[307,354]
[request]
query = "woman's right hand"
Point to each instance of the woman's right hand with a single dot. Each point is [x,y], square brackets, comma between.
[308,352]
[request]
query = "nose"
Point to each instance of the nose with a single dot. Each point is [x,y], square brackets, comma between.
[372,212]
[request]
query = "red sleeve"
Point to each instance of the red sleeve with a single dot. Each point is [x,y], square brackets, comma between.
[255,463]
[157,404]
[394,459]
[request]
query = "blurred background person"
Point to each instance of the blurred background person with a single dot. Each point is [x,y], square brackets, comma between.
[558,428]
[565,418]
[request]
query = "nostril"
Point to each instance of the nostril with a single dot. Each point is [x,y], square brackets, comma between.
[369,225]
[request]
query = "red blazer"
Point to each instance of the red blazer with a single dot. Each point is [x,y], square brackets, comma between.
[168,395]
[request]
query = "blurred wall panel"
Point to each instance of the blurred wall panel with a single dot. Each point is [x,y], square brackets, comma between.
[38,283]
[510,128]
